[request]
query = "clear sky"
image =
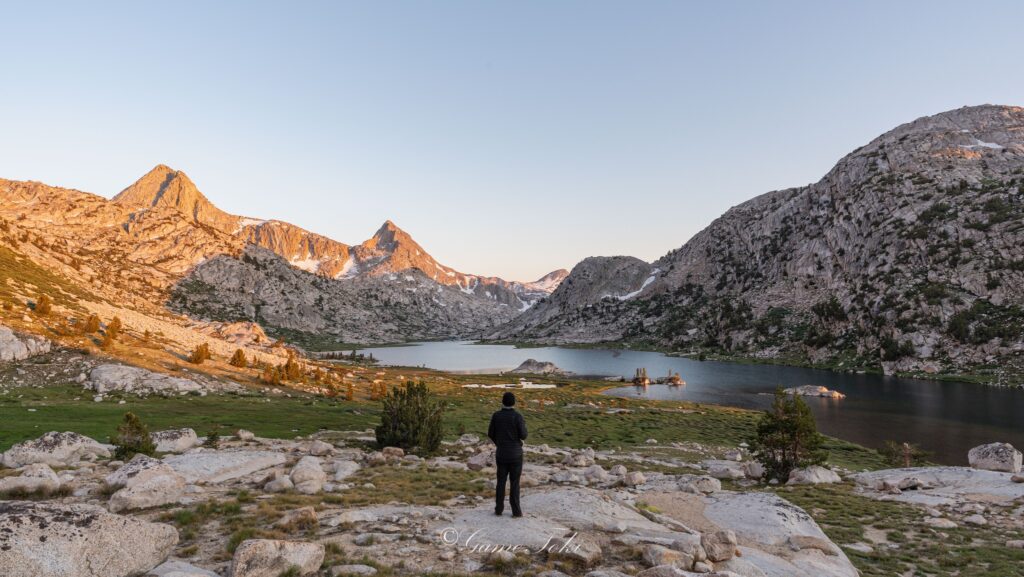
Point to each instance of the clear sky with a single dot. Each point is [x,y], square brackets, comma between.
[509,138]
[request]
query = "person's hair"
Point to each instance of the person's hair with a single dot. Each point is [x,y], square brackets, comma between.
[508,399]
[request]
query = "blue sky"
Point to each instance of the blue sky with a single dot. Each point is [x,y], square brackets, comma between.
[509,138]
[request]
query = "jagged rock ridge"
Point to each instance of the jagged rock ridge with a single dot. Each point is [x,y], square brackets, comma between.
[389,250]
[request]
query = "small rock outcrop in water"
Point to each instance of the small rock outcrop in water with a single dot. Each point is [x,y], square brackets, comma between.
[814,391]
[995,457]
[641,378]
[535,367]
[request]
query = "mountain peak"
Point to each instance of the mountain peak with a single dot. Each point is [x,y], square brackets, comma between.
[164,186]
[388,227]
[390,238]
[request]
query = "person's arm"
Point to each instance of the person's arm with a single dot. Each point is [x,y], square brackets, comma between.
[490,431]
[522,427]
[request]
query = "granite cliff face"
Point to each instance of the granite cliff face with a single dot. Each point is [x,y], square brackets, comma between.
[593,281]
[394,307]
[907,256]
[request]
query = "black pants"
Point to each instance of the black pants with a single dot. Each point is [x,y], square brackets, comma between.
[511,471]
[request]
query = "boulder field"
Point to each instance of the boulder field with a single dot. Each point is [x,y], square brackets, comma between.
[587,517]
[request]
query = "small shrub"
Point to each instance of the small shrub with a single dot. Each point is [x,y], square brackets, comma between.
[132,438]
[200,354]
[904,454]
[831,309]
[350,392]
[787,437]
[212,440]
[411,419]
[113,329]
[237,537]
[239,360]
[8,306]
[92,325]
[43,305]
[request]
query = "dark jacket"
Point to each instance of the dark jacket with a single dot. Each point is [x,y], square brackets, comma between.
[507,430]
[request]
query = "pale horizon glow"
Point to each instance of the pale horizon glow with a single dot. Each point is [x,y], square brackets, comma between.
[509,139]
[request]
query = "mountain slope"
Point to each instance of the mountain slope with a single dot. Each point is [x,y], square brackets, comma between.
[161,234]
[262,287]
[907,256]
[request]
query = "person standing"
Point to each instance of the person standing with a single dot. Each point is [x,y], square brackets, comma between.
[508,431]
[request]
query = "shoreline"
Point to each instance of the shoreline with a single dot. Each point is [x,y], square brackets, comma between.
[965,378]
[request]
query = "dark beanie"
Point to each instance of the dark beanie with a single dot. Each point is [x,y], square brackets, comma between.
[508,399]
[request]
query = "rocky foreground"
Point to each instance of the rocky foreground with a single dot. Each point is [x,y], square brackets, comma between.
[299,507]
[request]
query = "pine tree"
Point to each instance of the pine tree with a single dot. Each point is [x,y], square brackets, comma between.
[132,438]
[113,328]
[200,354]
[43,305]
[92,324]
[787,437]
[291,370]
[271,375]
[411,419]
[239,360]
[378,390]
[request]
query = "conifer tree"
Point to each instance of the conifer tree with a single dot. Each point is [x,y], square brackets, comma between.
[291,370]
[239,360]
[92,324]
[43,305]
[113,328]
[271,375]
[787,438]
[411,418]
[200,354]
[132,438]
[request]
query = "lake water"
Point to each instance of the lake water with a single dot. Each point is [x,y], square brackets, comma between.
[943,417]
